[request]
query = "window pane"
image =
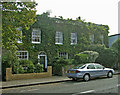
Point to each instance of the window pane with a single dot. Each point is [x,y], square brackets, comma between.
[22,55]
[73,38]
[36,35]
[90,67]
[99,67]
[59,37]
[63,54]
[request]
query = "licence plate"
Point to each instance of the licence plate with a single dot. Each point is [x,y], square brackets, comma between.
[72,72]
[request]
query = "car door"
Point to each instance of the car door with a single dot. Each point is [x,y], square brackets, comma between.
[91,70]
[99,70]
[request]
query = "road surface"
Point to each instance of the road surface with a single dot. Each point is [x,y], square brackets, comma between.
[99,85]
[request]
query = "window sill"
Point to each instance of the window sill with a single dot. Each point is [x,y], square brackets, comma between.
[36,42]
[73,44]
[59,43]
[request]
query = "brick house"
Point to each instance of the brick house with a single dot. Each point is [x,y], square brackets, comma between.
[53,37]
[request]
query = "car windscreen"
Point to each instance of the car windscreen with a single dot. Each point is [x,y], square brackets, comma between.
[80,67]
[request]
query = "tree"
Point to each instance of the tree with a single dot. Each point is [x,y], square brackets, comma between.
[116,47]
[14,15]
[107,56]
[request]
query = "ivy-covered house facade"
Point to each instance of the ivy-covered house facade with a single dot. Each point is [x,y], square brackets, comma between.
[50,37]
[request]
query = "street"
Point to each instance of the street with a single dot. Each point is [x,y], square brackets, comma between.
[98,85]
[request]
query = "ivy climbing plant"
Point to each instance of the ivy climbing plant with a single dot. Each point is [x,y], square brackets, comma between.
[49,26]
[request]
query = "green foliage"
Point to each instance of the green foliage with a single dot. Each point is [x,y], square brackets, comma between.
[49,26]
[62,61]
[116,47]
[85,57]
[30,68]
[107,56]
[15,68]
[80,59]
[39,68]
[25,62]
[28,65]
[9,59]
[57,69]
[14,15]
[92,55]
[70,61]
[21,70]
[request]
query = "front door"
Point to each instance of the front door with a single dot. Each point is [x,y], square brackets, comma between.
[42,59]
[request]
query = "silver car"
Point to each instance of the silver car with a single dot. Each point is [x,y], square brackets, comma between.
[88,71]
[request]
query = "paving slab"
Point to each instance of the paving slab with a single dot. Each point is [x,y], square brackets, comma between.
[27,82]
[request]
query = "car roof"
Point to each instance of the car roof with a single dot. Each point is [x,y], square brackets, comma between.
[92,63]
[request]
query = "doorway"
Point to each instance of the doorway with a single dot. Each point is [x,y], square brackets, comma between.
[42,59]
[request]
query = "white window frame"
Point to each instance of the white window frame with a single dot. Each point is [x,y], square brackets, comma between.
[61,54]
[36,35]
[91,37]
[19,40]
[23,57]
[73,38]
[59,38]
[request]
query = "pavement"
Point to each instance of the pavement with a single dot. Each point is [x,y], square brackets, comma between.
[30,82]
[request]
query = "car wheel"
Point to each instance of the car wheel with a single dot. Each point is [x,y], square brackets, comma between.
[110,74]
[86,77]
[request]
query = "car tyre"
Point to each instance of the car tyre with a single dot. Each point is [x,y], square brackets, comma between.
[86,77]
[110,74]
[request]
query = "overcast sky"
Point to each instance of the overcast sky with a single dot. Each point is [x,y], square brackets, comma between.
[96,11]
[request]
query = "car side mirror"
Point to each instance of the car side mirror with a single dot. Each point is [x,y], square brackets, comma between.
[103,68]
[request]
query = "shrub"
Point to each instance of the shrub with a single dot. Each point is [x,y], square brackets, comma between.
[70,61]
[25,62]
[57,65]
[21,71]
[15,68]
[27,65]
[108,57]
[80,59]
[39,68]
[92,55]
[30,68]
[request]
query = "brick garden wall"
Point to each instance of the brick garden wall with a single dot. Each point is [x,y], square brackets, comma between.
[10,76]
